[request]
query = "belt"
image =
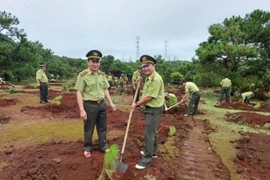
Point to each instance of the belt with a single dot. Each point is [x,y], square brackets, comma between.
[94,102]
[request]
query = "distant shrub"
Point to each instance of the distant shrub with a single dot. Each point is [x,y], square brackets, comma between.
[33,85]
[12,89]
[176,77]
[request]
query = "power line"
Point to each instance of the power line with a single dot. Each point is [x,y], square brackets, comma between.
[138,47]
[165,53]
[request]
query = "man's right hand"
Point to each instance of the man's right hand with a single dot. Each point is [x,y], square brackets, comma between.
[83,115]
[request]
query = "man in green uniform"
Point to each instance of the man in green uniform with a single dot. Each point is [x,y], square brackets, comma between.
[153,99]
[42,82]
[194,91]
[2,81]
[122,83]
[115,80]
[135,76]
[170,99]
[226,84]
[246,96]
[92,88]
[109,78]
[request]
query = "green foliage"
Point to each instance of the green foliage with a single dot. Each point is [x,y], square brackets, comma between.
[176,77]
[120,67]
[11,89]
[110,162]
[57,99]
[150,177]
[257,106]
[172,130]
[33,85]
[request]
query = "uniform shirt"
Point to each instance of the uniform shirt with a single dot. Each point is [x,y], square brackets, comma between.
[109,78]
[121,79]
[41,76]
[135,75]
[226,82]
[92,86]
[172,99]
[247,94]
[154,87]
[191,88]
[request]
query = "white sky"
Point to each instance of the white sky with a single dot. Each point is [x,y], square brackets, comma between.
[73,27]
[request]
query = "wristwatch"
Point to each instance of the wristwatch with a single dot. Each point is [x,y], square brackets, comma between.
[137,104]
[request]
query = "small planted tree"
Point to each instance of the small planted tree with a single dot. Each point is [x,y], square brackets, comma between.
[11,89]
[57,100]
[172,130]
[110,162]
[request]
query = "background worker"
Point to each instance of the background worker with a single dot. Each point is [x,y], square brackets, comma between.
[2,81]
[170,100]
[246,96]
[194,91]
[110,81]
[42,82]
[92,88]
[153,100]
[135,76]
[122,83]
[226,84]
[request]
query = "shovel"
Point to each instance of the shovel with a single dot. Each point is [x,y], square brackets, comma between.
[122,167]
[173,106]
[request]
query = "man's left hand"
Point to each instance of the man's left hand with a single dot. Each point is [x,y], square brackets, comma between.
[113,107]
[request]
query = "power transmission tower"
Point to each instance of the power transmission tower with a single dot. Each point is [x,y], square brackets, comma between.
[138,47]
[165,53]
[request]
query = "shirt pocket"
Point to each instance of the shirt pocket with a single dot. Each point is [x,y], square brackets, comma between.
[90,86]
[102,84]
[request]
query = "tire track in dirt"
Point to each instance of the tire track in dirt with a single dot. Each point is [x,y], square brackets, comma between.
[198,160]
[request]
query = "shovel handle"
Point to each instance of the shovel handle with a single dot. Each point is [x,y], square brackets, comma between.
[172,106]
[129,119]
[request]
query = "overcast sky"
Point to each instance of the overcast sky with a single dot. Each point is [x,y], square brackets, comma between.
[73,27]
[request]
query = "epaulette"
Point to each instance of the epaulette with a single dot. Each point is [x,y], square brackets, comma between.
[101,72]
[153,78]
[83,73]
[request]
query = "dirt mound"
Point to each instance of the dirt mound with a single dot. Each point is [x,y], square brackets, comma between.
[67,109]
[252,159]
[235,105]
[248,117]
[8,102]
[65,160]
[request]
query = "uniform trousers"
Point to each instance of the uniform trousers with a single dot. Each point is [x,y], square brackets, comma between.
[43,91]
[226,91]
[96,116]
[152,117]
[194,103]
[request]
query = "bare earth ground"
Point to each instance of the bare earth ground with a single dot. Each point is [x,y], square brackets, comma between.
[45,141]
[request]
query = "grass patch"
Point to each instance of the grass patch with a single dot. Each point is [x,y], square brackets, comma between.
[42,132]
[226,132]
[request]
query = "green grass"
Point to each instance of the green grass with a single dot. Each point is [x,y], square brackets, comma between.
[42,132]
[226,132]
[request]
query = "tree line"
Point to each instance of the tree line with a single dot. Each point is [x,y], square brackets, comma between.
[238,47]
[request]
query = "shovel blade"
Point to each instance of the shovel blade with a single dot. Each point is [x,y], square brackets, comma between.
[122,167]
